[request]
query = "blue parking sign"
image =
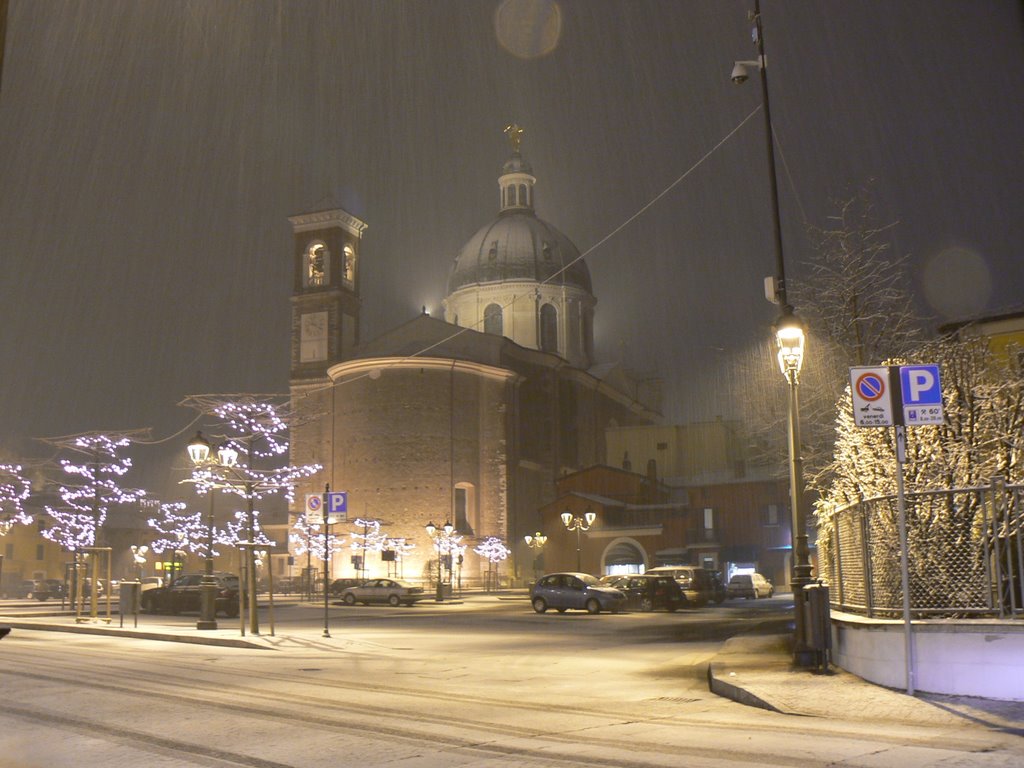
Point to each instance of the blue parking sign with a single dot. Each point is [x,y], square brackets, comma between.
[337,502]
[921,393]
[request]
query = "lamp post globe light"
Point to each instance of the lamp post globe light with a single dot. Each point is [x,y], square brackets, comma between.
[575,523]
[537,542]
[789,342]
[442,543]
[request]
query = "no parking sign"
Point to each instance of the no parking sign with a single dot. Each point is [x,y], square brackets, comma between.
[314,508]
[872,399]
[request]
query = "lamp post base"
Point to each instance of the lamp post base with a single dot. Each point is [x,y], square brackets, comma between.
[207,604]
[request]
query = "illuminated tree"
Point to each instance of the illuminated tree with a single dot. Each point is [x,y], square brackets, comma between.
[369,539]
[493,550]
[85,503]
[254,427]
[179,530]
[237,532]
[308,539]
[14,491]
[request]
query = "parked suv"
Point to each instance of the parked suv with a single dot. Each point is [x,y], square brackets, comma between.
[183,595]
[649,591]
[695,581]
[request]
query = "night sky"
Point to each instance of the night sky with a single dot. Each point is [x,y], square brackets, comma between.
[152,150]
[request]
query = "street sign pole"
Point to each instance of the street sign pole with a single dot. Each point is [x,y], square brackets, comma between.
[901,510]
[898,396]
[327,558]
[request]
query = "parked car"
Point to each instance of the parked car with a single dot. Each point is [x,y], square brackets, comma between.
[695,581]
[26,588]
[183,595]
[387,591]
[286,585]
[563,591]
[47,588]
[719,591]
[151,582]
[650,591]
[750,586]
[338,586]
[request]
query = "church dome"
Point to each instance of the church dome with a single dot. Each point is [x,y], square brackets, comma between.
[518,246]
[519,277]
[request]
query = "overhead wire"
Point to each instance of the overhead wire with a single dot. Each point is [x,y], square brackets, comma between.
[632,218]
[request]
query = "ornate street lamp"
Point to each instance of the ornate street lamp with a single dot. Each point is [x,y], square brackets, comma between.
[789,339]
[578,524]
[199,452]
[537,542]
[442,542]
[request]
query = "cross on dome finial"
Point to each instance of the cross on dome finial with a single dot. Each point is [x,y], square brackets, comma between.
[515,134]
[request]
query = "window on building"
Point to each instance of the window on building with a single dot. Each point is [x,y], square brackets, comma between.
[549,328]
[466,515]
[317,265]
[771,514]
[349,267]
[9,549]
[39,552]
[522,195]
[492,320]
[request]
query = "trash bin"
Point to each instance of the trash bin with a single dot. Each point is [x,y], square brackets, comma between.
[128,601]
[817,622]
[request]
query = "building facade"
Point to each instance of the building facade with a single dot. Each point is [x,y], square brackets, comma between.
[468,420]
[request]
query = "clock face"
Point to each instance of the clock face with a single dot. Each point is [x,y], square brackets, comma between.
[313,341]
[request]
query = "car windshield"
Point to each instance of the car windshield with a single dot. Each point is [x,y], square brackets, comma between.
[741,579]
[590,581]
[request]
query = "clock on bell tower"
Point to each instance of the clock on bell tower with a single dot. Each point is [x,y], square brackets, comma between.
[325,292]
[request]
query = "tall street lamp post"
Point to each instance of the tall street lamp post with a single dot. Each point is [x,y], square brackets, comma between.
[537,542]
[789,340]
[574,523]
[199,453]
[441,538]
[222,472]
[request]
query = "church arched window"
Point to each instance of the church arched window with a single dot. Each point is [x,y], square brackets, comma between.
[549,328]
[467,516]
[492,320]
[317,265]
[522,195]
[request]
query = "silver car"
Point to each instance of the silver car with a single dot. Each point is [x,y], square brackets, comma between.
[749,585]
[581,591]
[387,591]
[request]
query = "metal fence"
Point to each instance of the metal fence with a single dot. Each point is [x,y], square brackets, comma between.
[966,555]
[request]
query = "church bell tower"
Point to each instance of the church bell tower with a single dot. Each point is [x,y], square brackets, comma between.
[325,293]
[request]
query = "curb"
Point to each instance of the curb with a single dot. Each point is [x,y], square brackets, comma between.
[719,686]
[230,642]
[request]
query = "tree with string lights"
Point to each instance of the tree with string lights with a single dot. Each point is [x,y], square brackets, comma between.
[178,531]
[368,539]
[493,550]
[307,538]
[14,491]
[253,428]
[94,486]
